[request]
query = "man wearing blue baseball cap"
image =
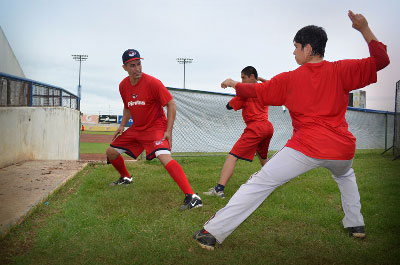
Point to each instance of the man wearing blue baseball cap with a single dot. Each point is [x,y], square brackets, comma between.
[144,97]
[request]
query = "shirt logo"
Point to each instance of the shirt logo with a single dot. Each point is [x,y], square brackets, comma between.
[134,95]
[158,142]
[137,102]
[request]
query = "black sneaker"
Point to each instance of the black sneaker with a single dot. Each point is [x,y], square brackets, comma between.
[357,231]
[205,239]
[191,201]
[123,181]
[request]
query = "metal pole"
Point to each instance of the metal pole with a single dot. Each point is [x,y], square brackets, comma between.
[386,129]
[79,58]
[184,73]
[79,83]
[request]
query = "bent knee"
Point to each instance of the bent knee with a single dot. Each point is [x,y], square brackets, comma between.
[112,153]
[344,174]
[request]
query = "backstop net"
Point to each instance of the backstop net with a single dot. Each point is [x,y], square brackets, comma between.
[204,126]
[203,123]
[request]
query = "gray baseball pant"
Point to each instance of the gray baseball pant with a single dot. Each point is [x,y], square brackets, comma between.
[282,167]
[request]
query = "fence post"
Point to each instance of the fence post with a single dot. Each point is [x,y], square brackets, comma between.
[31,98]
[8,101]
[61,98]
[386,129]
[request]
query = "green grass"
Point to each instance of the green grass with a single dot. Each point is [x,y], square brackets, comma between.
[89,222]
[93,148]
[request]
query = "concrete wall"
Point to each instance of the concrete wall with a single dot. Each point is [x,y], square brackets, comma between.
[38,133]
[8,62]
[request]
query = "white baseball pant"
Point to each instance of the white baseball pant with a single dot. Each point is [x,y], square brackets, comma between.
[282,167]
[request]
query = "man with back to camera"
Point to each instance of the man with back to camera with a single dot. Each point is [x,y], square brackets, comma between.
[316,93]
[144,98]
[255,138]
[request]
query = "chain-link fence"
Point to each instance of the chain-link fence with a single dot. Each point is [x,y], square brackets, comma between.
[16,91]
[204,125]
[396,137]
[395,147]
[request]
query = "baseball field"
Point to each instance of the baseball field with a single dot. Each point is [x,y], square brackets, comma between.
[89,222]
[93,145]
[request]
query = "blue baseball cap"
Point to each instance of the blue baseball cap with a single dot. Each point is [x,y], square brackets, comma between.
[130,55]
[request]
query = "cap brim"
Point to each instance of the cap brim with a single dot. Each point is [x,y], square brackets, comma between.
[133,59]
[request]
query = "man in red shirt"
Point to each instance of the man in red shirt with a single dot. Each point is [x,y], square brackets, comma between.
[255,138]
[144,98]
[316,94]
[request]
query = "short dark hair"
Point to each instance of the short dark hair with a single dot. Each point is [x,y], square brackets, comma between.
[249,70]
[313,35]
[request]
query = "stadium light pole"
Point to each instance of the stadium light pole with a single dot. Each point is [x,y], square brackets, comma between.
[184,61]
[80,58]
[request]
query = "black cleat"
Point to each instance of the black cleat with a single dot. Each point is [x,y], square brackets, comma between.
[123,181]
[357,231]
[205,239]
[191,201]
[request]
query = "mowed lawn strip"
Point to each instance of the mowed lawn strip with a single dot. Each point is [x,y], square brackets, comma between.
[89,222]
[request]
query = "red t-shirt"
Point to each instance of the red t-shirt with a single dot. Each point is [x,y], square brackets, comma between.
[317,95]
[145,102]
[252,110]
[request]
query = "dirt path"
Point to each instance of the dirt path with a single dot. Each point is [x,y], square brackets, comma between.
[28,183]
[25,184]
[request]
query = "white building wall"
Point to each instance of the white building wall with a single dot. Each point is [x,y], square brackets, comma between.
[8,62]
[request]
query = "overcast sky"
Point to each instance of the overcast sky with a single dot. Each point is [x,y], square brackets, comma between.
[221,36]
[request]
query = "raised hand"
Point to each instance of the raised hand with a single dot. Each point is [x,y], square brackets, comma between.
[360,23]
[358,20]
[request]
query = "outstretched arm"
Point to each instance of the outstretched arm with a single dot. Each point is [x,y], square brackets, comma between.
[228,83]
[249,90]
[361,24]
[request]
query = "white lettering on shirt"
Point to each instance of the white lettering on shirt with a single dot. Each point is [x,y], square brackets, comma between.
[134,103]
